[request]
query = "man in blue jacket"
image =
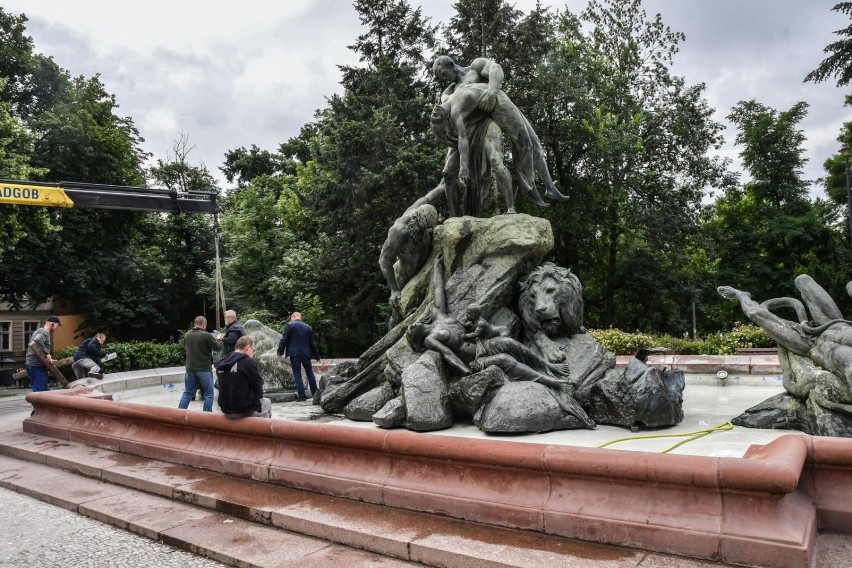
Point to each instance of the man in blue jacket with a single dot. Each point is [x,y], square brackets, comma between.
[298,343]
[240,383]
[87,356]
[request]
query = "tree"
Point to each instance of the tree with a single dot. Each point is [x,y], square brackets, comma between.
[367,157]
[629,144]
[483,28]
[100,263]
[839,64]
[769,231]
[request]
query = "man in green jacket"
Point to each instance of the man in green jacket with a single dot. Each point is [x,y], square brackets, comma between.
[199,363]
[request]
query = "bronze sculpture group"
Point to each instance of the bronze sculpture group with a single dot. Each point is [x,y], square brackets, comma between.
[815,352]
[481,329]
[459,345]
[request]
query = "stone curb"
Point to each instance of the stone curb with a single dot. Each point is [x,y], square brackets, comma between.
[168,510]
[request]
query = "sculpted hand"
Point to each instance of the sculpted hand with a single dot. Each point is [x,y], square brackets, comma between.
[730,293]
[464,174]
[488,101]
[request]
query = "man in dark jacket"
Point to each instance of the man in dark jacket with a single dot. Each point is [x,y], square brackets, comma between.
[233,332]
[87,356]
[240,383]
[298,343]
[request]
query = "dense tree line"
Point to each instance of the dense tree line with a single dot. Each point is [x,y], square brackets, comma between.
[630,144]
[131,274]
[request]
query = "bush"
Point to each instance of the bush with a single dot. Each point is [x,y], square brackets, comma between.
[623,342]
[742,336]
[132,357]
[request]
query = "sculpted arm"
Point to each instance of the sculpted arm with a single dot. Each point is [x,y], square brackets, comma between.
[493,73]
[457,117]
[778,329]
[390,251]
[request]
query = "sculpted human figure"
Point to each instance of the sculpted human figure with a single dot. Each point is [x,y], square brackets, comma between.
[407,247]
[488,345]
[828,343]
[471,119]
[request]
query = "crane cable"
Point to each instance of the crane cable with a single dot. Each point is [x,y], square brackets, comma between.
[220,291]
[692,436]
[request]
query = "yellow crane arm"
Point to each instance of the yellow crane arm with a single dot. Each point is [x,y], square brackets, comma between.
[27,194]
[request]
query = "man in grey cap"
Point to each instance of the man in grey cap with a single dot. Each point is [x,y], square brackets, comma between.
[36,369]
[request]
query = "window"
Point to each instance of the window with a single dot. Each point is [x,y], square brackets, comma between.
[5,336]
[29,330]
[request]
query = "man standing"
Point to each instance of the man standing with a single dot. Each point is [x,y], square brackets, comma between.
[233,332]
[36,368]
[298,343]
[86,355]
[240,383]
[199,360]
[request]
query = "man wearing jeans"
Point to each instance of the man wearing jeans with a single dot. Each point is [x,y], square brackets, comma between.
[199,364]
[298,343]
[36,369]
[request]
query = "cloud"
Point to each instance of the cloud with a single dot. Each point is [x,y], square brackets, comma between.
[230,75]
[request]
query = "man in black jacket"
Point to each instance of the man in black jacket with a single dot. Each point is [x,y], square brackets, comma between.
[87,357]
[240,383]
[233,332]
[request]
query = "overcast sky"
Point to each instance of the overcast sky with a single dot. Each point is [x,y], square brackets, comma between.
[231,74]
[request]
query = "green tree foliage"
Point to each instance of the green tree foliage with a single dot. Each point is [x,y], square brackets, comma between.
[484,28]
[835,167]
[16,147]
[181,244]
[769,231]
[131,274]
[838,64]
[274,251]
[367,157]
[628,142]
[242,166]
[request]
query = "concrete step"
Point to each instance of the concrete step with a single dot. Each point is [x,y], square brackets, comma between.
[249,523]
[219,536]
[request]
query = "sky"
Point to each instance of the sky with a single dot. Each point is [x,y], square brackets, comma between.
[228,75]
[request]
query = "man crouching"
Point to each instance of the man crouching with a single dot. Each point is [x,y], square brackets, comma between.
[240,383]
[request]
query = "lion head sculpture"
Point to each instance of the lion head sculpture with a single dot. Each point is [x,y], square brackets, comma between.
[552,301]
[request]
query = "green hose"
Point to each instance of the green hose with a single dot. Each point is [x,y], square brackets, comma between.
[692,436]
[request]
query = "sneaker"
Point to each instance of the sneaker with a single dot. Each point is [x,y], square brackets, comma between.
[96,375]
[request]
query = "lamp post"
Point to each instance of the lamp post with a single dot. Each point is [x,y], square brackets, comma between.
[846,151]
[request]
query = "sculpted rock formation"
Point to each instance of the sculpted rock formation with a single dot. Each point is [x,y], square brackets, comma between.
[276,372]
[460,345]
[467,350]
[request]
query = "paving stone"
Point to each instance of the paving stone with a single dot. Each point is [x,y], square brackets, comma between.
[39,535]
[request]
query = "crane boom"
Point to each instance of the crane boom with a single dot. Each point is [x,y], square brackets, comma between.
[100,196]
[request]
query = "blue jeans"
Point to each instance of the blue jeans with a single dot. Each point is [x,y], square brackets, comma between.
[38,378]
[296,363]
[192,381]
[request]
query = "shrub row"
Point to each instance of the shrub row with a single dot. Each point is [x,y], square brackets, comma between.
[132,357]
[742,336]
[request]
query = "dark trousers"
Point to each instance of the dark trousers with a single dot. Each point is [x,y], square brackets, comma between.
[296,363]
